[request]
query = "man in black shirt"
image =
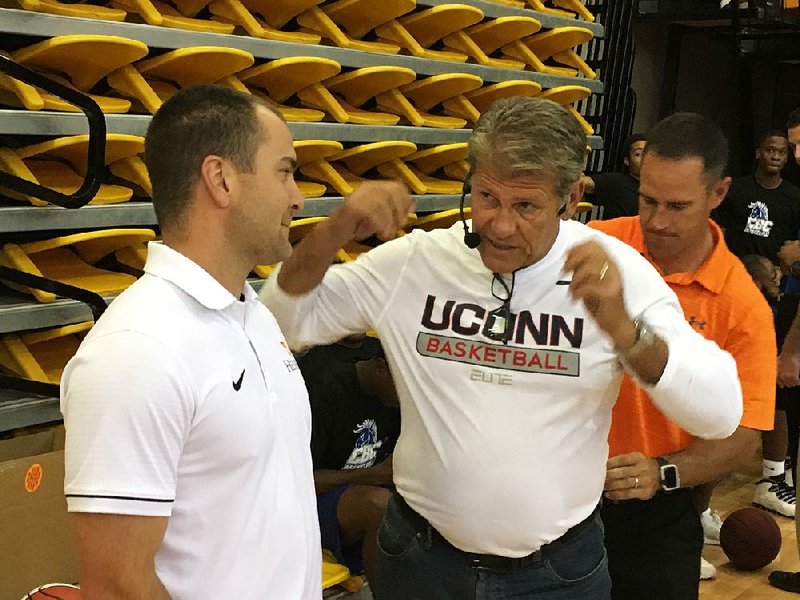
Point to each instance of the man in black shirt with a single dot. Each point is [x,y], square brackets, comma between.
[762,211]
[618,193]
[760,214]
[355,424]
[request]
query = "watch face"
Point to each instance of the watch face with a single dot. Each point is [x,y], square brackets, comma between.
[669,477]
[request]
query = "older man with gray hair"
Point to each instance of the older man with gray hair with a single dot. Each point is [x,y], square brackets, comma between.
[507,344]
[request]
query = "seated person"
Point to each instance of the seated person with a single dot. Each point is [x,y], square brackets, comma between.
[766,275]
[355,425]
[618,193]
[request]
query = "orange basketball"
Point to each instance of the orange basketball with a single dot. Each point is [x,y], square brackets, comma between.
[750,538]
[59,591]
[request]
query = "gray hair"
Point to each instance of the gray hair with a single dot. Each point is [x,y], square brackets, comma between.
[522,134]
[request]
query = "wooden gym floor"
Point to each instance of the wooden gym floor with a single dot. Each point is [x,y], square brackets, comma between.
[735,492]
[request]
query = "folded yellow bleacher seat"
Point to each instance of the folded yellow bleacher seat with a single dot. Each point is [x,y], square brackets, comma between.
[418,32]
[415,100]
[69,259]
[575,6]
[312,155]
[60,164]
[265,18]
[41,355]
[483,97]
[558,44]
[539,5]
[280,80]
[79,62]
[154,80]
[480,41]
[354,89]
[566,95]
[82,10]
[438,220]
[13,92]
[449,158]
[332,572]
[155,12]
[344,22]
[342,171]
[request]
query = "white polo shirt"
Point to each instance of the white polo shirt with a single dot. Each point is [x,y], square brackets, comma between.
[503,447]
[185,402]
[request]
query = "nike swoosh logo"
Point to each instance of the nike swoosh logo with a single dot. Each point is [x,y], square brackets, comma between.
[563,281]
[237,385]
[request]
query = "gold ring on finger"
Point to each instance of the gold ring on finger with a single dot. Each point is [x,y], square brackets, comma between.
[603,270]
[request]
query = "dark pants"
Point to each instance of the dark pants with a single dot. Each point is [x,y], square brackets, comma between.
[417,563]
[788,399]
[654,547]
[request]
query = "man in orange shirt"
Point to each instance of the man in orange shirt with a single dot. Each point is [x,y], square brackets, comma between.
[653,533]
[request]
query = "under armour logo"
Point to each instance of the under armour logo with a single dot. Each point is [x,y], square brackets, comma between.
[694,322]
[237,385]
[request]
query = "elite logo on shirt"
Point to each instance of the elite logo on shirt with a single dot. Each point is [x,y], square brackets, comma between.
[466,319]
[758,222]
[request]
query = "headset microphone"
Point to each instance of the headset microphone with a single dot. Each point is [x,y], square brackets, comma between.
[471,239]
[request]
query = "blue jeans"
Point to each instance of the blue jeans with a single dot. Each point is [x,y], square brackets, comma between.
[416,563]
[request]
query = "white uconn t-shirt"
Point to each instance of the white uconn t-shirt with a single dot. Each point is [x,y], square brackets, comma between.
[503,447]
[184,402]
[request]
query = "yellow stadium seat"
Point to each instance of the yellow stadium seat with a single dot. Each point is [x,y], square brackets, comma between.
[60,164]
[83,11]
[154,12]
[340,96]
[80,62]
[279,80]
[540,6]
[264,18]
[333,573]
[313,155]
[575,6]
[483,97]
[13,92]
[153,81]
[480,41]
[566,95]
[41,355]
[559,45]
[415,100]
[133,256]
[359,17]
[315,20]
[418,32]
[439,220]
[447,157]
[386,157]
[583,207]
[69,259]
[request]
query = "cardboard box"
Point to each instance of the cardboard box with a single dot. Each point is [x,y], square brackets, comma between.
[36,545]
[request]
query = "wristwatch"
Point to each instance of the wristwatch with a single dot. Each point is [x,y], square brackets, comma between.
[645,337]
[668,473]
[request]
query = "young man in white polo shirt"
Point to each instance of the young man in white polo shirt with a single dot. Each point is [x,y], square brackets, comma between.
[188,470]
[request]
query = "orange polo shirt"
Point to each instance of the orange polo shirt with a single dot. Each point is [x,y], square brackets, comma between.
[722,303]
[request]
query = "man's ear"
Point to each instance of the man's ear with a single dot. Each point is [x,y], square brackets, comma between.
[719,190]
[575,195]
[217,177]
[627,161]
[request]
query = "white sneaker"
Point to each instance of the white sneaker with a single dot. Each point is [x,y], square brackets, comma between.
[707,570]
[711,526]
[773,493]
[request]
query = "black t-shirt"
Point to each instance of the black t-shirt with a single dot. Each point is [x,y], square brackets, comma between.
[349,428]
[618,193]
[320,357]
[757,220]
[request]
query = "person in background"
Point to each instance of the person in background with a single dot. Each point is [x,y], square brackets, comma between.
[355,421]
[760,214]
[618,193]
[659,522]
[505,338]
[188,469]
[789,322]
